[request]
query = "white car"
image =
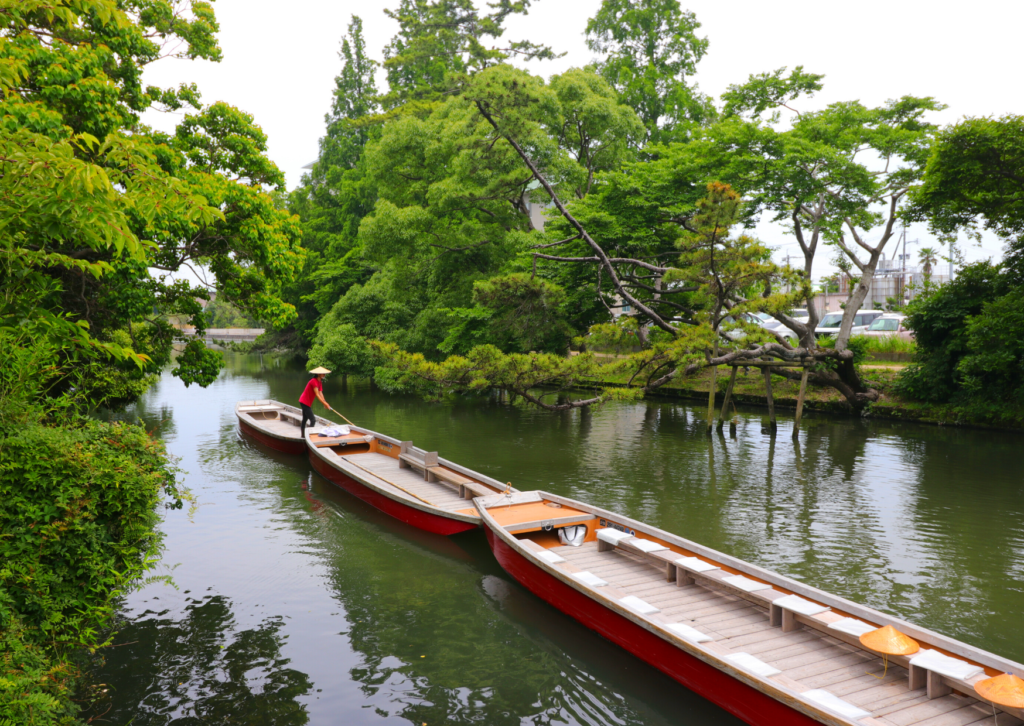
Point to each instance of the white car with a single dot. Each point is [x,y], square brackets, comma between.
[800,315]
[888,325]
[830,324]
[763,320]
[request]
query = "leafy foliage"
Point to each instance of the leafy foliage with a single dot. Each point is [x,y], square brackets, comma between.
[943,324]
[649,50]
[441,42]
[91,201]
[976,169]
[78,520]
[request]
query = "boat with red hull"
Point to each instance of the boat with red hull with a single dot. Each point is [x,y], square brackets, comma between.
[410,484]
[275,424]
[766,648]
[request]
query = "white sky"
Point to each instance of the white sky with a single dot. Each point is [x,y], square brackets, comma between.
[280,61]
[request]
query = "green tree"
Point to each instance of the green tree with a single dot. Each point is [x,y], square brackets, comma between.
[976,169]
[337,193]
[970,351]
[92,200]
[928,256]
[649,48]
[595,127]
[816,178]
[440,43]
[970,344]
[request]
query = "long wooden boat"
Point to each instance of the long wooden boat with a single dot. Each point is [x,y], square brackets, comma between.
[412,485]
[275,424]
[768,649]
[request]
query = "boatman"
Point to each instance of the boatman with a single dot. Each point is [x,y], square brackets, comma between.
[315,387]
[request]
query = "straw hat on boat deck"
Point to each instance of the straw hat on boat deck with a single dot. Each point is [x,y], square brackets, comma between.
[1005,690]
[321,371]
[889,641]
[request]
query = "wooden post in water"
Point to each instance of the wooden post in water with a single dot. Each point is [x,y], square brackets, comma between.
[711,392]
[771,401]
[728,398]
[800,403]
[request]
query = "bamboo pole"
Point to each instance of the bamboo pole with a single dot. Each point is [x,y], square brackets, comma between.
[728,398]
[800,403]
[396,486]
[771,400]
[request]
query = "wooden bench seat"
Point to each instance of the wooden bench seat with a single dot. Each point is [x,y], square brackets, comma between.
[427,462]
[468,489]
[668,561]
[663,558]
[411,461]
[292,417]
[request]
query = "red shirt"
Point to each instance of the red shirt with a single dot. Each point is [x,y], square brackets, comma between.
[308,395]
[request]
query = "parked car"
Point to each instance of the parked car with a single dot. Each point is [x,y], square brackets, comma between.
[829,324]
[800,315]
[764,320]
[886,325]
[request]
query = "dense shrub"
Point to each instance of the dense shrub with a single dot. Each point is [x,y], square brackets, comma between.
[994,367]
[78,516]
[970,343]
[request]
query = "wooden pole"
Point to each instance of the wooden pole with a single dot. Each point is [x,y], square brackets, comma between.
[800,403]
[771,401]
[728,398]
[711,392]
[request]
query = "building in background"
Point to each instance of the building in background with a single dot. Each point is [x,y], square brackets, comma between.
[894,285]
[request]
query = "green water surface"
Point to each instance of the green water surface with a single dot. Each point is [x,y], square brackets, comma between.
[297,603]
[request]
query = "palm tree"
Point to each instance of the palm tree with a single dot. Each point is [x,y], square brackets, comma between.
[928,257]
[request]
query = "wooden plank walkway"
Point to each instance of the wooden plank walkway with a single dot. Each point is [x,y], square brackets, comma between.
[437,493]
[808,659]
[281,428]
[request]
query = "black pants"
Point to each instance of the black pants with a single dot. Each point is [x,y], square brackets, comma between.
[307,414]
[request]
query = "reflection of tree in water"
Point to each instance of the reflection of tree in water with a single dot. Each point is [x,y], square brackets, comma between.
[405,599]
[202,670]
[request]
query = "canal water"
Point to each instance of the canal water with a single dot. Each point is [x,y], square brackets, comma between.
[294,603]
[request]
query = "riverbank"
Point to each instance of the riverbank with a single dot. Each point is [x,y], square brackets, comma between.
[749,390]
[79,506]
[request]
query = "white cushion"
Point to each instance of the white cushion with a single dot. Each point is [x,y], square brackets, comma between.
[641,606]
[745,583]
[647,546]
[695,565]
[687,633]
[935,661]
[749,663]
[551,557]
[852,626]
[589,578]
[612,536]
[835,704]
[799,605]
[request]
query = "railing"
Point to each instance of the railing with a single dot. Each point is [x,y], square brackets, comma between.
[232,334]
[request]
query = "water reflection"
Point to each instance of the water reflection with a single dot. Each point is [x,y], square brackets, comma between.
[201,669]
[357,618]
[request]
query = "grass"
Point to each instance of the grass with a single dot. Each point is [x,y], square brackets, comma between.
[891,344]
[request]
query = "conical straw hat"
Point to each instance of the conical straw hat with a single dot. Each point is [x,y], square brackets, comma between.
[889,641]
[1004,690]
[321,371]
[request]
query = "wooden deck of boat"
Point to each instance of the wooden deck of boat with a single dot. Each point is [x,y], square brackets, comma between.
[277,427]
[437,493]
[808,659]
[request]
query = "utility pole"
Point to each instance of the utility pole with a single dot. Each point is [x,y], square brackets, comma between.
[903,267]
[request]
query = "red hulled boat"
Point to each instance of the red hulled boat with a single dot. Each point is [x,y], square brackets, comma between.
[275,424]
[408,483]
[768,649]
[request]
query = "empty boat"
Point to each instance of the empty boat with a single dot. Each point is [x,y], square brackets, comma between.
[768,649]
